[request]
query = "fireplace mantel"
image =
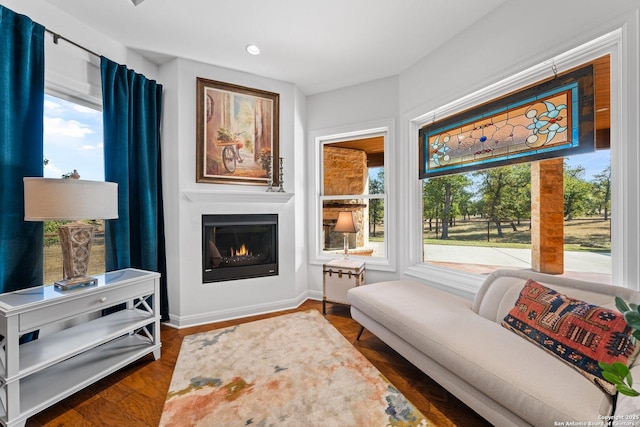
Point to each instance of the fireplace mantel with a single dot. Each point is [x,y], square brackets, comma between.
[209,196]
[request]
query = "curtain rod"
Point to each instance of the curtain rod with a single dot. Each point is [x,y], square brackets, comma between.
[57,37]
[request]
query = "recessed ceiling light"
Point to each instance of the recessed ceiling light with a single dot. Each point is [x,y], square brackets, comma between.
[253,49]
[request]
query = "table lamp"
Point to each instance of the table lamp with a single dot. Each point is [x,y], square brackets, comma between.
[345,225]
[71,199]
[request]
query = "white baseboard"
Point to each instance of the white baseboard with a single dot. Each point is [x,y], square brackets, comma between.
[239,312]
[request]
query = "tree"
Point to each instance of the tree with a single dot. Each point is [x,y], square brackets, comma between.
[520,200]
[442,199]
[376,206]
[602,193]
[432,195]
[506,192]
[465,203]
[577,192]
[492,187]
[454,192]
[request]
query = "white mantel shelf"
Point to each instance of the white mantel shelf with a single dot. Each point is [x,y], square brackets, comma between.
[208,196]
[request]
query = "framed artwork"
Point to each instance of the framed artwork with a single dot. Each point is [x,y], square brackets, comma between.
[237,134]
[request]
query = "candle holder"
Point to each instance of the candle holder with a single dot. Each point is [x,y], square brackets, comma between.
[281,176]
[268,165]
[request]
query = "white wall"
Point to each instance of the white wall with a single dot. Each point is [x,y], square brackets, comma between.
[514,37]
[362,103]
[191,301]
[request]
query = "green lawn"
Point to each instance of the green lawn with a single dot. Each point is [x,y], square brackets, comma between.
[585,234]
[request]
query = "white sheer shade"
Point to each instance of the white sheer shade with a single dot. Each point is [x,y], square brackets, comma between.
[69,199]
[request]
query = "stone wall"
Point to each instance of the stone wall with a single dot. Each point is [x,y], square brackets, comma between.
[345,172]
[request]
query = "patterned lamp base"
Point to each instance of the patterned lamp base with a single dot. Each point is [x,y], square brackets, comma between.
[76,239]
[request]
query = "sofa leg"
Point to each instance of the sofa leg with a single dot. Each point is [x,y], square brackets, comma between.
[360,333]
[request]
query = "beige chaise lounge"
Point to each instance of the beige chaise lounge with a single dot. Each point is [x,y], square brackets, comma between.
[463,346]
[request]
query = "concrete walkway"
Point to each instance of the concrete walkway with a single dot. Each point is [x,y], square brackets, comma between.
[585,262]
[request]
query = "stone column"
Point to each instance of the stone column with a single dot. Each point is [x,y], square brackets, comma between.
[547,216]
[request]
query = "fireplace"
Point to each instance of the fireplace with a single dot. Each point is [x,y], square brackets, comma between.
[239,246]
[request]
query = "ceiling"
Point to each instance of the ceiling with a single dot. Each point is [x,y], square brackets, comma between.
[318,45]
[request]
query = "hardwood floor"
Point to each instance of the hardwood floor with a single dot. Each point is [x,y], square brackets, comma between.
[134,396]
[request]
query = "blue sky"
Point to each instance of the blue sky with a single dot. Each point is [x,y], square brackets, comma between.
[72,139]
[593,163]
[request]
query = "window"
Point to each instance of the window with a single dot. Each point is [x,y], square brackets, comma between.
[72,145]
[482,220]
[352,173]
[353,180]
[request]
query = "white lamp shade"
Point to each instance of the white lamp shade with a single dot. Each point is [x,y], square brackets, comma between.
[345,223]
[69,199]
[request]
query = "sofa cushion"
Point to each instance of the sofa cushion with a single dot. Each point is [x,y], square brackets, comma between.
[501,289]
[504,367]
[579,333]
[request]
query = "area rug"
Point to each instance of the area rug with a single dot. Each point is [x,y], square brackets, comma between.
[289,370]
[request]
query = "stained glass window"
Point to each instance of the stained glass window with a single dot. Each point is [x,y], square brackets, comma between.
[551,119]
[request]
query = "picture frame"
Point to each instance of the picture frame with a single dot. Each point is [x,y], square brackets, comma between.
[237,133]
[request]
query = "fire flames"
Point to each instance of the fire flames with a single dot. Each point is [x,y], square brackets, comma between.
[243,251]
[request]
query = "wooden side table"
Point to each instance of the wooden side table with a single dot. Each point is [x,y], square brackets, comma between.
[338,277]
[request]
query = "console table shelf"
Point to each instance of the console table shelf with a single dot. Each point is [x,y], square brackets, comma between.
[39,373]
[91,366]
[57,347]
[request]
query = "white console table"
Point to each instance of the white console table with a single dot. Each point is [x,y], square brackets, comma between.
[37,374]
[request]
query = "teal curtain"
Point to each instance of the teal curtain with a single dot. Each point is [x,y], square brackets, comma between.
[132,109]
[21,153]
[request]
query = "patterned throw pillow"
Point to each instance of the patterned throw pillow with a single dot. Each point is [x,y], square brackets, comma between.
[579,333]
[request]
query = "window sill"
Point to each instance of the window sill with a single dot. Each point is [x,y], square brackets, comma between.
[456,282]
